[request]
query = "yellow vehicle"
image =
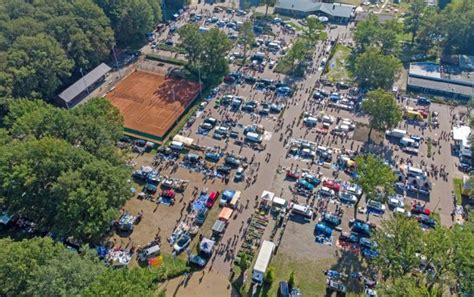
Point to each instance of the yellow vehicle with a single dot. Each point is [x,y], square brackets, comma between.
[413,115]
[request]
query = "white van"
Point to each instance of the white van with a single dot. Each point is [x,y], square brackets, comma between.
[253,137]
[177,145]
[149,252]
[415,172]
[203,29]
[310,121]
[302,210]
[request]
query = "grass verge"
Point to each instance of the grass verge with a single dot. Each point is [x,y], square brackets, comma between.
[458,184]
[337,70]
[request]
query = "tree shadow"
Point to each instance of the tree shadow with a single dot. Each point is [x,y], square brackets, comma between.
[347,264]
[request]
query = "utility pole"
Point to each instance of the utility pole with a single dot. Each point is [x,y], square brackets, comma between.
[116,62]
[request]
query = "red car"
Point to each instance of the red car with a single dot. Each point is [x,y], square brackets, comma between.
[331,184]
[212,198]
[419,209]
[292,175]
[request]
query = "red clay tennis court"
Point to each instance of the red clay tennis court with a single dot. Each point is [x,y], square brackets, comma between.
[152,103]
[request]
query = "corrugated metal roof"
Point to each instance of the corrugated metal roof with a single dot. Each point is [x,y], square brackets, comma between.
[83,83]
[298,5]
[311,6]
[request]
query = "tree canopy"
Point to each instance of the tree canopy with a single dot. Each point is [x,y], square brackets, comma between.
[43,42]
[373,69]
[246,37]
[131,19]
[41,267]
[206,52]
[374,176]
[382,109]
[371,33]
[417,263]
[61,168]
[312,30]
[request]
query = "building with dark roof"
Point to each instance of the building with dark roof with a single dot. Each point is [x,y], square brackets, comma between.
[441,80]
[335,12]
[78,91]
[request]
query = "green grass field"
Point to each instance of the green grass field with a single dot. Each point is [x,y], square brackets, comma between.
[337,65]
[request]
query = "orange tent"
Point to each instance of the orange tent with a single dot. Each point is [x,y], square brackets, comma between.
[225,214]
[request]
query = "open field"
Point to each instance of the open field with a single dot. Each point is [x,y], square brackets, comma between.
[151,103]
[337,65]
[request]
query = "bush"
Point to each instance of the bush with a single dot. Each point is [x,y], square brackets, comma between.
[270,278]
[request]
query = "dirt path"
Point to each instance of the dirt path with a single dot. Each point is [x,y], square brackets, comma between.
[199,284]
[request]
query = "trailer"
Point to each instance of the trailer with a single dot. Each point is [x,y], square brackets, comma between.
[263,259]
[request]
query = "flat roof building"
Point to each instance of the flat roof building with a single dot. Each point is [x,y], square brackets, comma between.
[436,79]
[79,90]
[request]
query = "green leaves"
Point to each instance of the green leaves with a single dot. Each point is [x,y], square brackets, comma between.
[312,30]
[382,109]
[417,263]
[205,52]
[373,70]
[373,174]
[65,174]
[40,267]
[46,41]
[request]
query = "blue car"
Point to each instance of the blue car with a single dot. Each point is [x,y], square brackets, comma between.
[423,101]
[214,157]
[304,184]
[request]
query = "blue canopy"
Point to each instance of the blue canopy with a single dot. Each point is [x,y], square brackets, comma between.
[322,229]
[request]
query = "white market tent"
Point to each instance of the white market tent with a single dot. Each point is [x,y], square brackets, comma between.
[185,140]
[267,196]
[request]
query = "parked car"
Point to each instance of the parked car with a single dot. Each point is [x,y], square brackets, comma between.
[214,157]
[333,185]
[326,192]
[347,197]
[224,169]
[239,174]
[212,198]
[201,216]
[232,161]
[182,243]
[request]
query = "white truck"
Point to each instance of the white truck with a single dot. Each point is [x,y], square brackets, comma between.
[396,133]
[263,259]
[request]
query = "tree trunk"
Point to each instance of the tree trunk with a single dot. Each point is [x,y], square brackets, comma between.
[357,204]
[266,9]
[369,139]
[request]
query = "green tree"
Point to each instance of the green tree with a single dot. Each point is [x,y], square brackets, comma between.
[131,19]
[371,33]
[297,52]
[36,66]
[61,187]
[414,17]
[246,37]
[458,27]
[41,267]
[375,177]
[373,70]
[382,109]
[403,287]
[399,240]
[96,126]
[267,4]
[206,52]
[312,30]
